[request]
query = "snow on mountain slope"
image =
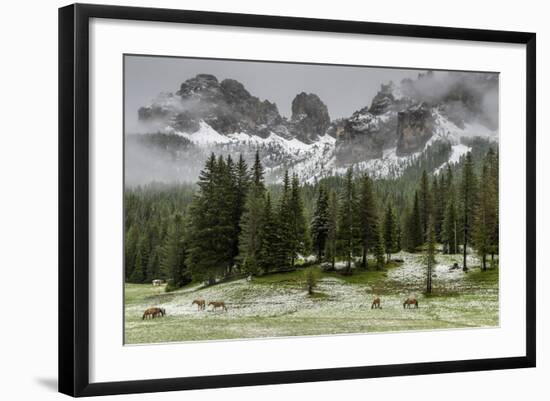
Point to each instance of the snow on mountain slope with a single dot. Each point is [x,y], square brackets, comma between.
[316,160]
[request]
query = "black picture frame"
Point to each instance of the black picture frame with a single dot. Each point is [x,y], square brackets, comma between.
[74,198]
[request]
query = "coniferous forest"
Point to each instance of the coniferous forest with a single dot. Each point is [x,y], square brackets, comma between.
[232,224]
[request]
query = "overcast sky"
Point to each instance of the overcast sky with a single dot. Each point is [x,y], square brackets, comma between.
[343,89]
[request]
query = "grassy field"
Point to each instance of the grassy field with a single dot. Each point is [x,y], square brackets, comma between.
[278,304]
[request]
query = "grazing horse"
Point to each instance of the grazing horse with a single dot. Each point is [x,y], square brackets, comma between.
[201,304]
[410,301]
[376,303]
[217,304]
[153,313]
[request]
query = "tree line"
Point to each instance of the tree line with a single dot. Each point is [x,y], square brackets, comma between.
[231,222]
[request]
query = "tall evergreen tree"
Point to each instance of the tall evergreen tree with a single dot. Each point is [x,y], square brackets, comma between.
[430,256]
[367,218]
[251,221]
[242,183]
[378,247]
[449,229]
[332,232]
[320,223]
[438,208]
[414,226]
[486,217]
[390,232]
[298,235]
[284,224]
[468,190]
[269,239]
[348,231]
[211,223]
[425,203]
[493,178]
[450,224]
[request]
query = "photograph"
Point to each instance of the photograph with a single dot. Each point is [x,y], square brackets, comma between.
[267,199]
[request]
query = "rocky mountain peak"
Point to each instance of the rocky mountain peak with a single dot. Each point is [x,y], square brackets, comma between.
[310,117]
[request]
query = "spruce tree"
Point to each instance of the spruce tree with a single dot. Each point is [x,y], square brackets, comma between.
[211,223]
[367,218]
[298,240]
[242,183]
[425,203]
[390,232]
[284,224]
[332,232]
[251,221]
[430,256]
[348,232]
[468,190]
[486,217]
[493,177]
[378,247]
[269,239]
[320,223]
[450,223]
[414,226]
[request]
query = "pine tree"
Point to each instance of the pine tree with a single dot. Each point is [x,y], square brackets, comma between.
[486,217]
[284,225]
[251,221]
[320,223]
[449,229]
[298,240]
[367,217]
[332,232]
[211,223]
[438,211]
[450,233]
[378,247]
[468,202]
[241,183]
[414,226]
[430,256]
[348,232]
[493,177]
[269,238]
[425,204]
[390,232]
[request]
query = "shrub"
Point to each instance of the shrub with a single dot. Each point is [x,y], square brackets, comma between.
[311,278]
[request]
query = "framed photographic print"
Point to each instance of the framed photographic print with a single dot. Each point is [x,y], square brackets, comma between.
[249,199]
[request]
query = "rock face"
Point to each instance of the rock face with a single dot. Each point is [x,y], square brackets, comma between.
[360,139]
[414,128]
[227,107]
[310,117]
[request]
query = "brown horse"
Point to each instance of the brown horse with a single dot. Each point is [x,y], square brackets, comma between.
[217,304]
[376,303]
[153,313]
[410,301]
[201,304]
